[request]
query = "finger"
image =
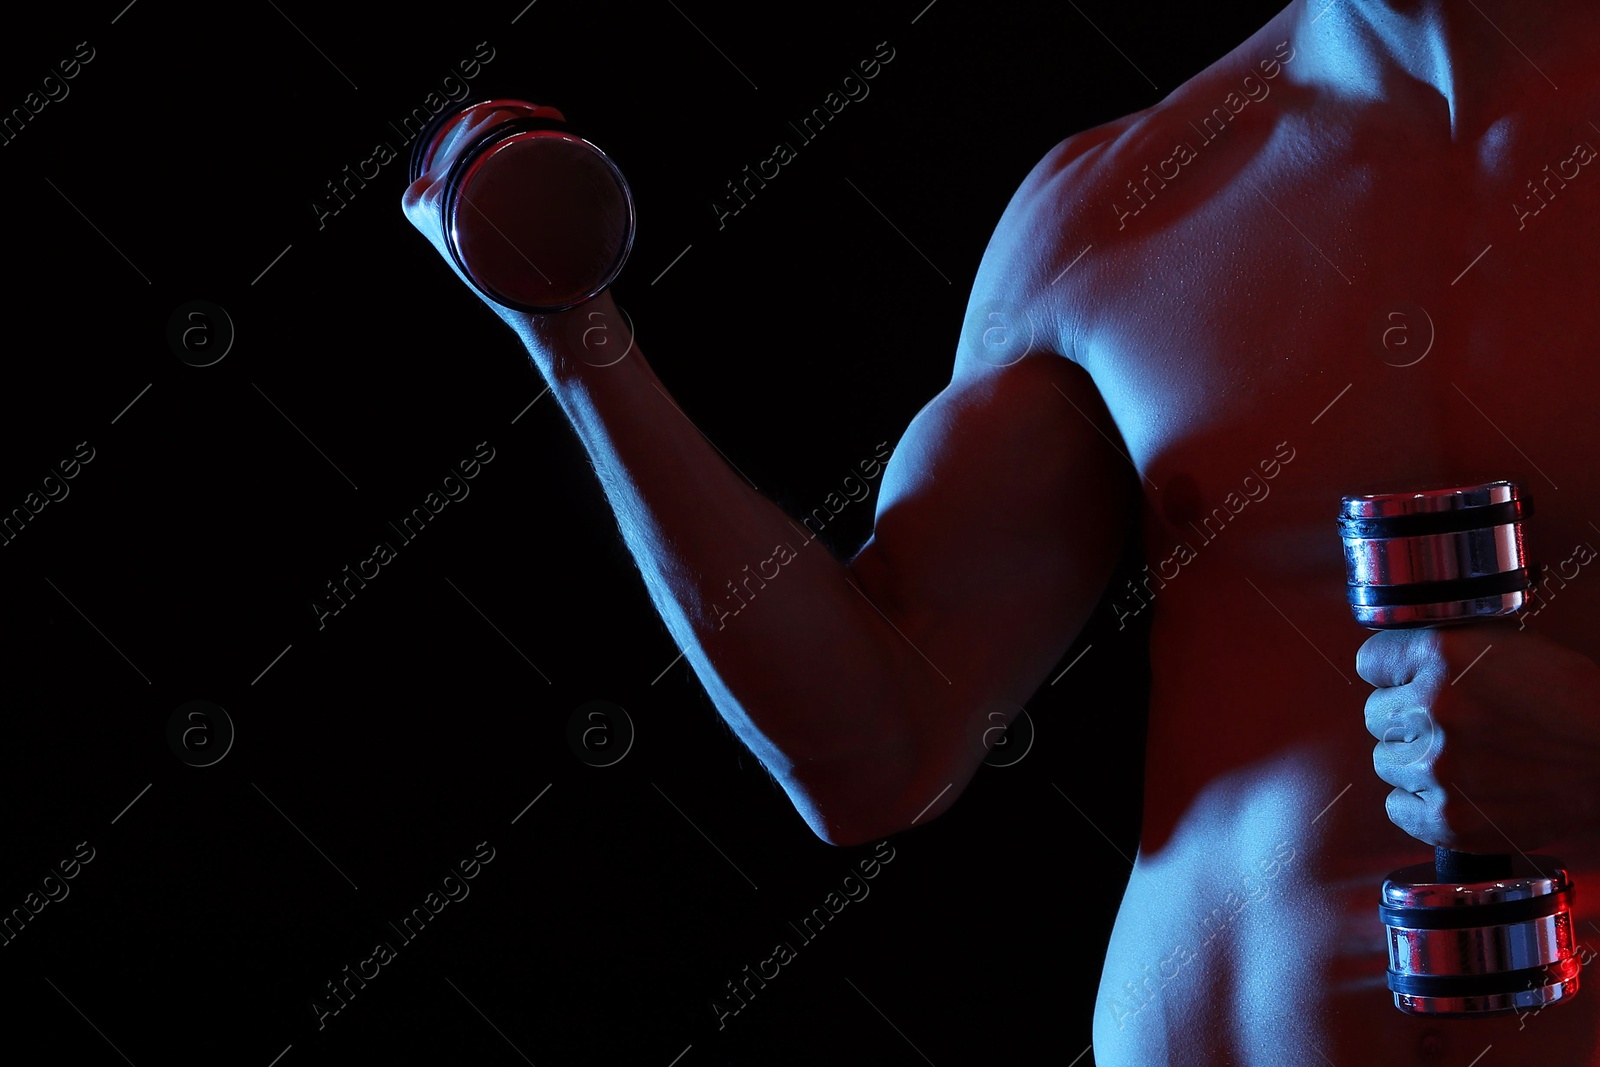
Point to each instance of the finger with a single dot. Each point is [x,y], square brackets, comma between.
[459,131]
[417,205]
[1396,705]
[465,129]
[1396,657]
[1412,814]
[1410,765]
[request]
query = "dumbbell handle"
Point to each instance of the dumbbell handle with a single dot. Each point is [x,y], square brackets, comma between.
[1465,867]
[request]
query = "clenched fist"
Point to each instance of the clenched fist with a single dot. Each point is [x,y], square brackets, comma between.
[1490,735]
[554,250]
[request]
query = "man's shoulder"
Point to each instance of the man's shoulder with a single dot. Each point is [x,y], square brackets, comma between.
[1088,210]
[1100,178]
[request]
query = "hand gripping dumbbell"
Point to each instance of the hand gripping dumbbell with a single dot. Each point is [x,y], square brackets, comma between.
[1468,934]
[536,217]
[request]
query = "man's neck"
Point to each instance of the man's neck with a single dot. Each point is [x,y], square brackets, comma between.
[1470,59]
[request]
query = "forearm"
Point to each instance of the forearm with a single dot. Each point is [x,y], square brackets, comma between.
[785,638]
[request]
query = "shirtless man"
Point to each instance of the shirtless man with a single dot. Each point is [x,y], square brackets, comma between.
[1197,304]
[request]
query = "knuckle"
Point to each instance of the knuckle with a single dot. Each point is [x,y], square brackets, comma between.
[1427,746]
[412,200]
[1427,759]
[1421,652]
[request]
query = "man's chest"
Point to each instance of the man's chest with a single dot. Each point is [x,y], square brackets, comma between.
[1385,332]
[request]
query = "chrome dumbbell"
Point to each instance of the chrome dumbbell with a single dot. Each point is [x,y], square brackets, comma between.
[1468,934]
[536,217]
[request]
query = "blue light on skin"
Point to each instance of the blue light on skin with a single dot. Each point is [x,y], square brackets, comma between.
[1400,52]
[1240,936]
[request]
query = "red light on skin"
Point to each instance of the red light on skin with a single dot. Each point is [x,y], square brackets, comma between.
[498,110]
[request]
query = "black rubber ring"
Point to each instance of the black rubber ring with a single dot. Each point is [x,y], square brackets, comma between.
[1422,523]
[1445,592]
[1483,985]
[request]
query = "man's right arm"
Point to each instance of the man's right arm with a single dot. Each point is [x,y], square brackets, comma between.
[866,687]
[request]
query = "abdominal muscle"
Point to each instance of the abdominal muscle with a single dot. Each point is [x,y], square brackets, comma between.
[1248,933]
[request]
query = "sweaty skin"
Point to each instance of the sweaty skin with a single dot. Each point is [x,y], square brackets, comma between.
[1222,351]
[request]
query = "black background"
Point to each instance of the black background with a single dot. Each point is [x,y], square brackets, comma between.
[378,751]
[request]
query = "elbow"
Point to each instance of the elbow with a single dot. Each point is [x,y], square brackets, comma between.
[844,833]
[834,824]
[850,810]
[884,784]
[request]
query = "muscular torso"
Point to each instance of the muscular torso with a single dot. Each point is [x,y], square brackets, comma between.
[1268,310]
